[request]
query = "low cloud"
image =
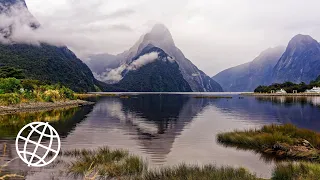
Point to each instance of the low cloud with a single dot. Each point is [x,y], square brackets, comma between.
[17,26]
[143,60]
[115,75]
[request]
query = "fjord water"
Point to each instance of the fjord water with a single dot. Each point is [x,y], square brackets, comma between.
[172,129]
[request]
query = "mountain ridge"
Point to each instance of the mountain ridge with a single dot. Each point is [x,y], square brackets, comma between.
[246,77]
[159,75]
[300,62]
[160,37]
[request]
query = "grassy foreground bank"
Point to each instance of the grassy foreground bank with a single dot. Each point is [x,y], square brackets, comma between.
[119,164]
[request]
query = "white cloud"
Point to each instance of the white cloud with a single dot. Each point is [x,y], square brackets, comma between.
[143,60]
[115,75]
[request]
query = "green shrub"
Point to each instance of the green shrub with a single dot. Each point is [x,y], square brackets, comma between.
[9,98]
[66,93]
[30,90]
[10,85]
[51,96]
[29,84]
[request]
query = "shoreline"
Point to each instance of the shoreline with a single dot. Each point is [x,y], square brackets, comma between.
[41,106]
[288,94]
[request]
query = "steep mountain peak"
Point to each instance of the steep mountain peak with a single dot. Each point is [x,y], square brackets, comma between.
[160,30]
[300,62]
[159,36]
[302,40]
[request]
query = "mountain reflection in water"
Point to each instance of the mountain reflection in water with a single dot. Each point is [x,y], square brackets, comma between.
[171,129]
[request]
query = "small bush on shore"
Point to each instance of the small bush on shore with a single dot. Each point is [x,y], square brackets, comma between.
[10,98]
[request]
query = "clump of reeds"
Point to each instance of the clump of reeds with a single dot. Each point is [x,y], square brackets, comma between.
[285,141]
[185,172]
[104,163]
[296,171]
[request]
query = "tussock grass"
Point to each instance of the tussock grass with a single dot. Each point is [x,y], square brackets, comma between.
[184,172]
[283,141]
[297,171]
[104,163]
[119,164]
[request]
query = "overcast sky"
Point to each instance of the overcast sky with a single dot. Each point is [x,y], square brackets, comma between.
[213,34]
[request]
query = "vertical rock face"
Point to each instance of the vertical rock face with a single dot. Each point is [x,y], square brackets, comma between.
[248,76]
[300,62]
[161,37]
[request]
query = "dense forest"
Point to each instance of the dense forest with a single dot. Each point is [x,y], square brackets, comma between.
[49,64]
[289,87]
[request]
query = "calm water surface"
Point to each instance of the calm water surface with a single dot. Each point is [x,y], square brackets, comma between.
[167,129]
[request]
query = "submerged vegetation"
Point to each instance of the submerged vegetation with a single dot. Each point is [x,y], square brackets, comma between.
[14,91]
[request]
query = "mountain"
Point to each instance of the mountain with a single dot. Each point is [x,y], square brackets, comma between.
[248,76]
[43,62]
[161,38]
[300,62]
[160,75]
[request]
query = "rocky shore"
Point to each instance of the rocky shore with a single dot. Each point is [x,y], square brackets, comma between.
[41,106]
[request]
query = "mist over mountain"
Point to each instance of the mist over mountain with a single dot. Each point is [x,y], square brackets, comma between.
[300,62]
[248,76]
[159,37]
[41,61]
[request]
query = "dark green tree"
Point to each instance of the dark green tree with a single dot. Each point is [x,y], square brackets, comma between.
[11,72]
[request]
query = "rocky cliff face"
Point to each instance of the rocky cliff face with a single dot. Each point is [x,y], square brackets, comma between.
[300,62]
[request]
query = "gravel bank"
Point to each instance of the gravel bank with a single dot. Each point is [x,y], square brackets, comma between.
[41,106]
